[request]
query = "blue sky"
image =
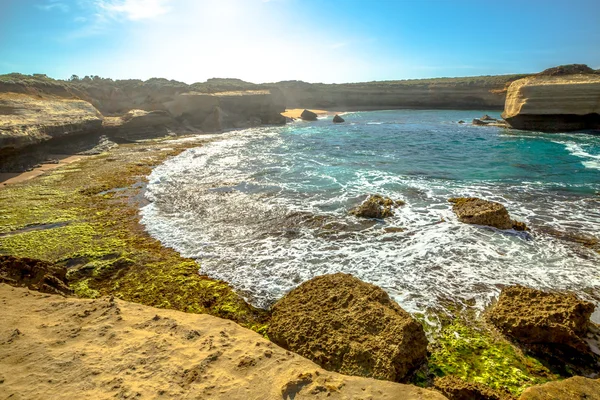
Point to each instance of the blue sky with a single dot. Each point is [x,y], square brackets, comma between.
[310,40]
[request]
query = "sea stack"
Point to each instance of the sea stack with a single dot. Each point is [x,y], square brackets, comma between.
[308,116]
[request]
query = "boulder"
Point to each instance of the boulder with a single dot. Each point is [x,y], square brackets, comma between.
[479,122]
[34,274]
[349,326]
[461,122]
[308,116]
[338,120]
[575,388]
[455,388]
[487,118]
[472,210]
[533,316]
[561,100]
[376,206]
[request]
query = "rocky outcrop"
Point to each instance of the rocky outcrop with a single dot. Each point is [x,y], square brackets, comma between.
[575,388]
[554,102]
[479,122]
[338,120]
[455,388]
[34,274]
[487,118]
[536,317]
[376,206]
[349,326]
[27,120]
[472,210]
[308,116]
[139,124]
[109,348]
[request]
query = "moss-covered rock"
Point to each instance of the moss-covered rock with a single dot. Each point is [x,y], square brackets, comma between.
[376,206]
[472,210]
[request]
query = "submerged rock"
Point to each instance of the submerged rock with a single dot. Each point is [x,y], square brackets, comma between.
[455,388]
[338,120]
[533,316]
[34,274]
[573,388]
[308,116]
[472,210]
[461,122]
[349,326]
[479,122]
[376,206]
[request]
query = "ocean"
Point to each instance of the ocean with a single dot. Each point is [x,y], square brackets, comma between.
[266,209]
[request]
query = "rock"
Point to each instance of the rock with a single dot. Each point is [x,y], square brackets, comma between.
[34,274]
[479,122]
[532,316]
[214,121]
[575,388]
[376,206]
[308,116]
[349,326]
[338,120]
[554,101]
[487,118]
[455,388]
[461,122]
[128,350]
[472,210]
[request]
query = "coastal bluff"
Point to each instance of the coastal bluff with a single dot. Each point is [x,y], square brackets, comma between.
[555,100]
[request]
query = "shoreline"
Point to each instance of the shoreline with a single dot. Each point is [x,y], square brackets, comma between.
[9,178]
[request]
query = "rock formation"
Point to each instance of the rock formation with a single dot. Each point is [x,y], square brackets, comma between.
[34,274]
[487,118]
[349,326]
[479,122]
[560,99]
[535,317]
[308,115]
[575,388]
[338,120]
[472,210]
[455,388]
[108,348]
[376,206]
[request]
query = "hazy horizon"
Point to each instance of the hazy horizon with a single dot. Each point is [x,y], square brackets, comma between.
[264,41]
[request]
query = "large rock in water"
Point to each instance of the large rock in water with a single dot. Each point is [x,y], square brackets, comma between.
[576,388]
[338,120]
[554,101]
[472,210]
[376,206]
[34,274]
[533,316]
[349,326]
[308,116]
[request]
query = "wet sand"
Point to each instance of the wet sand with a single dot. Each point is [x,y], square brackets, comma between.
[7,178]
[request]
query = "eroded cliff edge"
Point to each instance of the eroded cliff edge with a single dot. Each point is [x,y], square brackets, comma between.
[560,99]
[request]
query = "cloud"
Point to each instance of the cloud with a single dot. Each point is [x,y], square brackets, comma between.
[134,10]
[54,5]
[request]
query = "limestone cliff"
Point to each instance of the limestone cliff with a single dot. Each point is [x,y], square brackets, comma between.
[554,103]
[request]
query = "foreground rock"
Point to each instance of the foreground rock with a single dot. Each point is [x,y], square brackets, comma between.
[560,99]
[537,317]
[308,116]
[338,120]
[472,210]
[376,206]
[456,389]
[34,274]
[576,388]
[349,326]
[108,348]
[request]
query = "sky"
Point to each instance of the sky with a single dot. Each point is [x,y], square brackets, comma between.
[330,41]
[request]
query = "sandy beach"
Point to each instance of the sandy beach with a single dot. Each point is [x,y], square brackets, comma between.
[7,178]
[296,112]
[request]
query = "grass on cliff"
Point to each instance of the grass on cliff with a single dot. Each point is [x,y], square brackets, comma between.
[74,216]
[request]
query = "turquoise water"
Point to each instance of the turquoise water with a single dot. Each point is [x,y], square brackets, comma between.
[234,205]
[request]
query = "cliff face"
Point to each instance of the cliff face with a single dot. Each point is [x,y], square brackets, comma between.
[27,119]
[554,103]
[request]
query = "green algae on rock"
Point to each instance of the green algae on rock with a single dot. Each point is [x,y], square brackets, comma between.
[84,216]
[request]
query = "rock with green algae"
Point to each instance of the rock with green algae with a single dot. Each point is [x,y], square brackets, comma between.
[475,354]
[575,388]
[349,326]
